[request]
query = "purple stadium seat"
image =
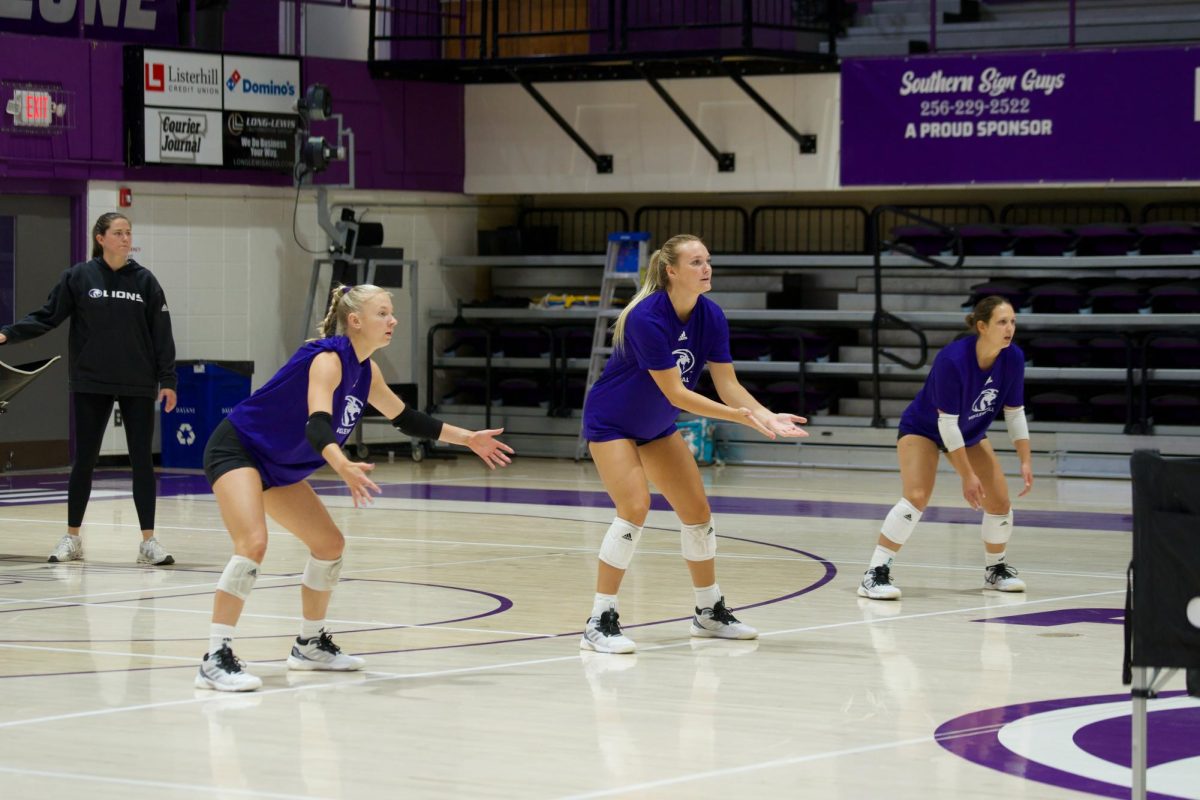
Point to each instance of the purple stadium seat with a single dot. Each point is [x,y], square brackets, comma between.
[466,344]
[1058,297]
[522,343]
[521,392]
[786,347]
[1041,240]
[466,391]
[1182,297]
[577,342]
[784,397]
[1175,409]
[924,239]
[1175,352]
[1110,351]
[1014,291]
[1063,406]
[1111,407]
[1057,351]
[1105,239]
[985,240]
[1168,238]
[1121,297]
[749,346]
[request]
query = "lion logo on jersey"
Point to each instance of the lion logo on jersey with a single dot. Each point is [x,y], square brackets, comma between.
[986,400]
[352,411]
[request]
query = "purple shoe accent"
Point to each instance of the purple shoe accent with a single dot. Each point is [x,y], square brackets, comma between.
[1068,616]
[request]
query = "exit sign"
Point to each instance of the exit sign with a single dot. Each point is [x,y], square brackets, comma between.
[33,108]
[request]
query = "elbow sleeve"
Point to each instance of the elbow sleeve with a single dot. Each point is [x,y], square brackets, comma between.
[319,431]
[952,437]
[1018,426]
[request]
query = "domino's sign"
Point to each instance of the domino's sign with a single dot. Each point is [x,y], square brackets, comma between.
[261,84]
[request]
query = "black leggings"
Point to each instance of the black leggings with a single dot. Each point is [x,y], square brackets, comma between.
[91,418]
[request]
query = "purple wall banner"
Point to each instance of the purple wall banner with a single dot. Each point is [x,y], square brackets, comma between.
[146,21]
[1063,116]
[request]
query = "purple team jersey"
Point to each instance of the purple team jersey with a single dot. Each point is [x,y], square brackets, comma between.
[956,385]
[271,421]
[626,403]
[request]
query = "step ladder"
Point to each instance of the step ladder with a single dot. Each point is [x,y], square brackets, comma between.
[624,260]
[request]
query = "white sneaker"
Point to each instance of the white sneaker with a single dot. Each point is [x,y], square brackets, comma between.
[151,552]
[69,548]
[877,584]
[718,623]
[223,672]
[603,635]
[1002,578]
[320,652]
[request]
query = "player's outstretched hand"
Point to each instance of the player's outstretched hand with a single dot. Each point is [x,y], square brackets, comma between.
[752,419]
[784,424]
[1027,476]
[493,451]
[354,473]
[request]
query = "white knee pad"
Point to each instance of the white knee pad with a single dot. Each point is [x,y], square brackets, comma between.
[619,543]
[997,528]
[900,521]
[321,576]
[698,542]
[239,577]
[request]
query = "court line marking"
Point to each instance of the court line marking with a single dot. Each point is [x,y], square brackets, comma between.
[377,676]
[778,762]
[192,787]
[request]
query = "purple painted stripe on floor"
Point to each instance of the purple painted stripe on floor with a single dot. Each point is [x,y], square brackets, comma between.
[172,484]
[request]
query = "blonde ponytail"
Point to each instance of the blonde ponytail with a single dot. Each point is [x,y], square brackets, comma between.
[656,280]
[344,301]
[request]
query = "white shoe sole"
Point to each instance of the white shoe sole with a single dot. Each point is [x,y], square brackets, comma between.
[587,644]
[867,593]
[705,633]
[164,563]
[202,682]
[1011,589]
[313,666]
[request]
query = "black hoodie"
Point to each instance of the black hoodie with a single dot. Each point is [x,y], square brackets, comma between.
[120,341]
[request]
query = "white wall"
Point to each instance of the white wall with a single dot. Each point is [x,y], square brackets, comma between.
[236,280]
[513,147]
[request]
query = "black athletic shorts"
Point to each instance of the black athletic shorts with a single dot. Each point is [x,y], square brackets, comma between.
[901,433]
[225,452]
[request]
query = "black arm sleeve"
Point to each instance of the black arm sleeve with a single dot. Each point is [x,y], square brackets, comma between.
[319,430]
[159,319]
[418,424]
[60,304]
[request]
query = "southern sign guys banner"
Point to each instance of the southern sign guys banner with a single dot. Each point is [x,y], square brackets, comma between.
[1065,116]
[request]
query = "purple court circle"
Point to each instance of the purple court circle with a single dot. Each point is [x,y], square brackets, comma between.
[976,737]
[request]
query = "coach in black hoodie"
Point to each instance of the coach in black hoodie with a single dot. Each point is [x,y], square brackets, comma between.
[120,348]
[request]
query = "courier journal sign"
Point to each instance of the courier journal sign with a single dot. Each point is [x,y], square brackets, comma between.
[209,109]
[1068,116]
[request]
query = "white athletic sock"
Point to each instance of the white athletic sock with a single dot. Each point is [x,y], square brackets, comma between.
[707,596]
[992,559]
[882,557]
[219,635]
[602,603]
[310,629]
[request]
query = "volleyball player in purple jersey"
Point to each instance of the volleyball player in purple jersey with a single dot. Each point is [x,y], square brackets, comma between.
[258,458]
[970,380]
[661,342]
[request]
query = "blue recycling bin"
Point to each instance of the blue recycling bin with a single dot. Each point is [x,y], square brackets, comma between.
[207,392]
